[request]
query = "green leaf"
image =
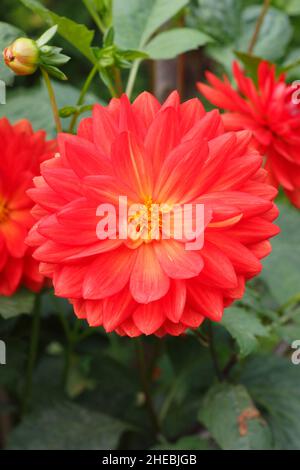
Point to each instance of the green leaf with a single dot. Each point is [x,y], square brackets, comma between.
[281,268]
[220,18]
[21,302]
[244,327]
[55,72]
[250,62]
[115,388]
[291,64]
[233,26]
[67,111]
[274,36]
[131,55]
[232,419]
[187,443]
[290,331]
[76,34]
[47,36]
[274,384]
[19,104]
[108,38]
[55,59]
[291,7]
[135,21]
[223,55]
[8,34]
[67,426]
[169,44]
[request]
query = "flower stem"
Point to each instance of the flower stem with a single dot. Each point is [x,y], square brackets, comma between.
[132,77]
[33,349]
[95,16]
[213,353]
[230,364]
[118,80]
[258,26]
[52,99]
[67,364]
[144,381]
[111,87]
[68,348]
[82,95]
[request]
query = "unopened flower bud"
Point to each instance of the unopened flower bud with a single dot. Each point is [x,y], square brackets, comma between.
[22,56]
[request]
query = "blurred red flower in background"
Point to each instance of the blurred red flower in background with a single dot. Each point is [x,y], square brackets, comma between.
[22,151]
[174,154]
[268,110]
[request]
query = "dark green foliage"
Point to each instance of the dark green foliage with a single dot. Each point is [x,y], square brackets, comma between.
[86,388]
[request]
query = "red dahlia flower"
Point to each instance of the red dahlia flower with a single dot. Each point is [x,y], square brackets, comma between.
[269,112]
[22,151]
[171,154]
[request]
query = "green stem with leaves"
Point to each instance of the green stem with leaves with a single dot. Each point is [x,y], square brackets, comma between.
[32,356]
[110,86]
[258,25]
[52,99]
[82,95]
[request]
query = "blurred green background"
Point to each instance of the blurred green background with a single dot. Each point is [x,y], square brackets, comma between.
[89,388]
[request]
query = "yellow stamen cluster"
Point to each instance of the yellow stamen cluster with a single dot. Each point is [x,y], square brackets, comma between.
[146,223]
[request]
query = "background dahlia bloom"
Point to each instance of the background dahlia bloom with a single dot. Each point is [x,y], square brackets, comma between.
[22,151]
[268,111]
[173,154]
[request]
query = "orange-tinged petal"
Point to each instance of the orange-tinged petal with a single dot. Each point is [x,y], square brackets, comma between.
[148,282]
[162,136]
[108,273]
[14,235]
[206,300]
[176,261]
[148,317]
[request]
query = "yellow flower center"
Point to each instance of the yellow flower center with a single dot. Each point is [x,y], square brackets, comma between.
[146,220]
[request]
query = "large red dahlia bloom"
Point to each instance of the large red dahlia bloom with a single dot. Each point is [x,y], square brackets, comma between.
[171,154]
[268,110]
[22,151]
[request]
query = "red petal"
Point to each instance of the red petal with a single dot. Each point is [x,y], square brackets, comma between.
[191,318]
[14,235]
[116,309]
[173,303]
[131,164]
[148,282]
[149,318]
[82,156]
[104,128]
[208,301]
[162,137]
[108,274]
[176,261]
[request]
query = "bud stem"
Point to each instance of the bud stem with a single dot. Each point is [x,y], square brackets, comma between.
[132,77]
[83,92]
[52,99]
